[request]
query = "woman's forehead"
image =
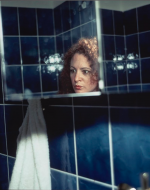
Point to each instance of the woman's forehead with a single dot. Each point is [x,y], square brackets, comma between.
[79,60]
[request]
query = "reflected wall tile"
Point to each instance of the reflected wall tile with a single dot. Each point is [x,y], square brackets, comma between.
[11,162]
[143,18]
[63,181]
[31,76]
[133,71]
[13,84]
[144,39]
[118,22]
[29,50]
[111,73]
[88,185]
[27,21]
[49,79]
[45,21]
[109,47]
[120,46]
[2,126]
[66,17]
[14,119]
[59,123]
[2,143]
[75,34]
[59,44]
[107,21]
[132,46]
[134,88]
[92,143]
[3,172]
[58,20]
[130,131]
[122,74]
[130,21]
[145,70]
[47,47]
[9,20]
[11,54]
[67,40]
[74,13]
[86,30]
[1,92]
[146,88]
[123,88]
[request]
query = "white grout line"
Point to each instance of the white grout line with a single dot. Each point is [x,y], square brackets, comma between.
[3,154]
[11,157]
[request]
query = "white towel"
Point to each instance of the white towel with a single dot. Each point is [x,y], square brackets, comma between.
[32,165]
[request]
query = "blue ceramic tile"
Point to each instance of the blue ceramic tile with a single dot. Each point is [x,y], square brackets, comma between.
[111,73]
[131,144]
[88,185]
[2,143]
[11,162]
[60,136]
[86,30]
[122,74]
[75,35]
[143,18]
[29,50]
[49,79]
[133,71]
[3,173]
[74,13]
[27,21]
[132,46]
[13,80]
[144,39]
[59,44]
[12,55]
[146,88]
[45,21]
[87,11]
[120,46]
[66,17]
[14,119]
[123,88]
[134,88]
[9,20]
[58,20]
[67,41]
[31,76]
[63,181]
[92,143]
[113,89]
[107,21]
[2,126]
[47,47]
[130,21]
[1,92]
[118,22]
[109,47]
[145,70]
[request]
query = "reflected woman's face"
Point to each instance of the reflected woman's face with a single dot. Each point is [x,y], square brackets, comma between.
[80,74]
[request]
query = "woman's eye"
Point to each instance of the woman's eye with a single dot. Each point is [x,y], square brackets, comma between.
[72,70]
[86,71]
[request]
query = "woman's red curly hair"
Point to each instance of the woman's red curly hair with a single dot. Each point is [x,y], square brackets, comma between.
[87,47]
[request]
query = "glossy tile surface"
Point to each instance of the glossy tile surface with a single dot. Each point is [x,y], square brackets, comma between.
[2,132]
[145,70]
[144,44]
[66,17]
[74,14]
[75,35]
[109,47]
[133,70]
[111,73]
[132,45]
[58,20]
[86,30]
[118,22]
[59,44]
[67,41]
[107,21]
[3,173]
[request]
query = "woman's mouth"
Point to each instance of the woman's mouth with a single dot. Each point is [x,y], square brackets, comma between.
[77,87]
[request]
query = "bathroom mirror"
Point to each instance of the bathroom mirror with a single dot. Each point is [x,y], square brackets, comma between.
[35,35]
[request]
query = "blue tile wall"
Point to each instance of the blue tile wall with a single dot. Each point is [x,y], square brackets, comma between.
[3,172]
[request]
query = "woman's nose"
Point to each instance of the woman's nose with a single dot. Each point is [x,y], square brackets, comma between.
[77,76]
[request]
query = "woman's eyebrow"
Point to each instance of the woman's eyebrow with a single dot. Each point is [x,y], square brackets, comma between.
[85,68]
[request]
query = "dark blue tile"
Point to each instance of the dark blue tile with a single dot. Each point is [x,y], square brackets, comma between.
[49,79]
[145,70]
[93,158]
[67,41]
[14,119]
[86,30]
[3,173]
[107,21]
[109,47]
[1,91]
[66,17]
[143,18]
[118,22]
[122,74]
[11,101]
[113,89]
[87,11]
[2,126]
[123,88]
[45,22]
[132,46]
[29,50]
[88,185]
[56,101]
[146,88]
[9,20]
[60,136]
[63,181]
[2,143]
[11,162]
[58,20]
[144,39]
[134,88]
[111,73]
[75,35]
[31,75]
[12,55]
[120,46]
[47,47]
[74,13]
[133,71]
[131,144]
[27,21]
[59,44]
[13,84]
[130,21]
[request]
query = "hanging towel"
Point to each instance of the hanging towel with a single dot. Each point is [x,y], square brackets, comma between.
[32,165]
